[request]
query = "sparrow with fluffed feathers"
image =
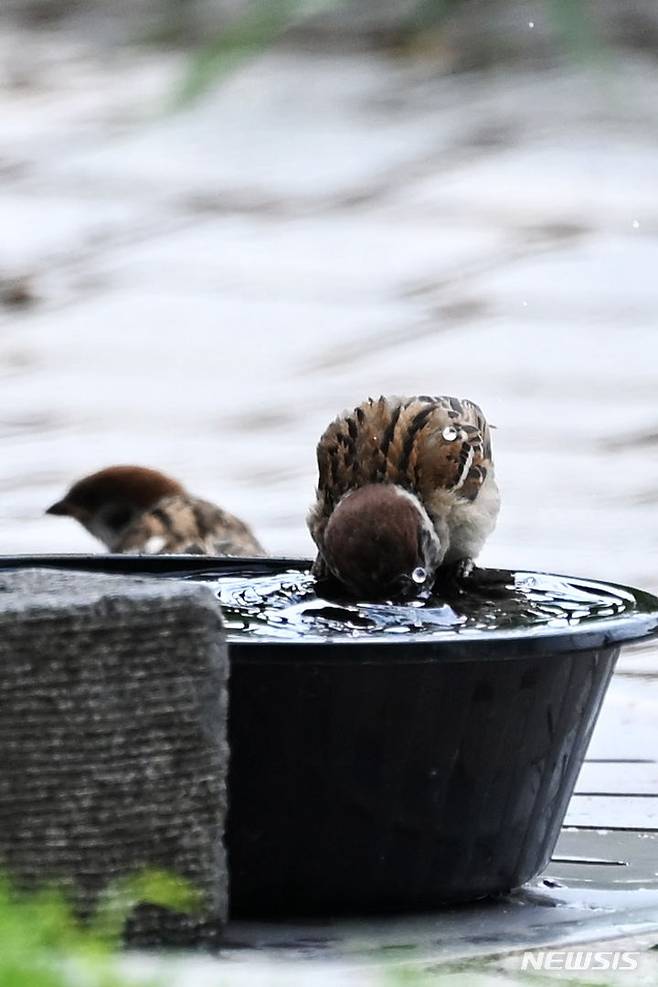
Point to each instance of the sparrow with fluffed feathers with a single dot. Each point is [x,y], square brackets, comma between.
[134,510]
[406,489]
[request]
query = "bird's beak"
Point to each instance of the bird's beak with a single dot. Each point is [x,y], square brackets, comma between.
[63,508]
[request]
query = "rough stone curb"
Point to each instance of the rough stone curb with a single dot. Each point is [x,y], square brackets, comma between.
[113,751]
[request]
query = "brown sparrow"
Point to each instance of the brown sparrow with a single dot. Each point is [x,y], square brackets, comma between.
[406,486]
[132,509]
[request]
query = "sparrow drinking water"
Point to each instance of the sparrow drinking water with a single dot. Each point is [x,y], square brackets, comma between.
[132,509]
[406,490]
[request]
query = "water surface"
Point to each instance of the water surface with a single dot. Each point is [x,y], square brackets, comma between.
[290,605]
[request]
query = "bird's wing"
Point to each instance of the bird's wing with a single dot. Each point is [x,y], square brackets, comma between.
[351,453]
[352,450]
[447,447]
[183,524]
[424,444]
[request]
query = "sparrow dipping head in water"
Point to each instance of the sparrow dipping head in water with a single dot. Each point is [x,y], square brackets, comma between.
[132,509]
[406,487]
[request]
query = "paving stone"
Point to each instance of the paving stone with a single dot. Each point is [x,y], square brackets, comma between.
[315,229]
[112,742]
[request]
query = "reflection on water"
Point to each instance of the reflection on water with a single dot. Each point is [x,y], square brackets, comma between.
[287,605]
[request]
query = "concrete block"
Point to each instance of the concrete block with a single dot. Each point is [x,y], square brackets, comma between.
[113,750]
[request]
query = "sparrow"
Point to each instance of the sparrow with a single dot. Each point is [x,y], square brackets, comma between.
[132,509]
[406,490]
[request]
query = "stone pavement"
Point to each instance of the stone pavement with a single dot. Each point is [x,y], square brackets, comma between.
[209,287]
[202,291]
[503,971]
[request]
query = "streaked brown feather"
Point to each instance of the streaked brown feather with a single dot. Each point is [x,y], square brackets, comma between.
[189,524]
[401,441]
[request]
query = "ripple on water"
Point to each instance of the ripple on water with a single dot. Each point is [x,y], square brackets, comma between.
[289,605]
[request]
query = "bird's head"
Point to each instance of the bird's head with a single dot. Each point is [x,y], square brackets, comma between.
[105,503]
[380,543]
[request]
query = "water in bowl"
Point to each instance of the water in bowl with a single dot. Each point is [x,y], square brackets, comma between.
[290,605]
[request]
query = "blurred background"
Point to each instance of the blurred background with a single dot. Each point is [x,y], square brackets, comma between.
[222,222]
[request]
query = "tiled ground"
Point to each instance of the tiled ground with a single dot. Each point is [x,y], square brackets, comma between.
[205,289]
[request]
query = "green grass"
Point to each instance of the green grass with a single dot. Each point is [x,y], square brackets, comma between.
[267,20]
[44,944]
[263,23]
[573,22]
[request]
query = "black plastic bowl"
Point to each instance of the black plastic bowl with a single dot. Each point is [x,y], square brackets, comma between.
[404,773]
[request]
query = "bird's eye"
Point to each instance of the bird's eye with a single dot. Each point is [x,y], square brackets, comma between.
[419,575]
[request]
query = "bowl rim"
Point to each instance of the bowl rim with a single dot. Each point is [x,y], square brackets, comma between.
[461,645]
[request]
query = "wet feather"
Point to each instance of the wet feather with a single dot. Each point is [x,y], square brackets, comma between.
[436,449]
